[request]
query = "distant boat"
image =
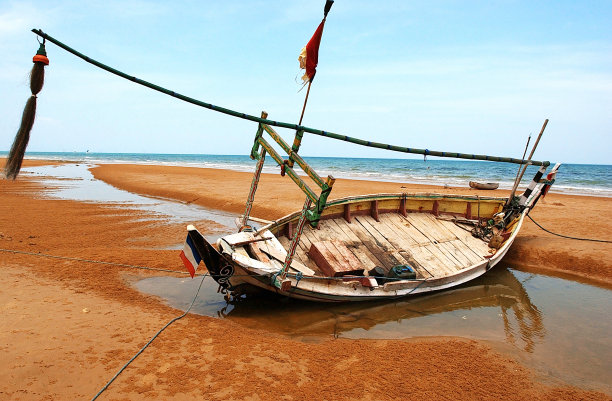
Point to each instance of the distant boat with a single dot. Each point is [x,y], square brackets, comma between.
[484,185]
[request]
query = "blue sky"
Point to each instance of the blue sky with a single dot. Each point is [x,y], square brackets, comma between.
[473,77]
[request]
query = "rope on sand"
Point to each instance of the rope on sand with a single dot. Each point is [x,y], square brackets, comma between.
[44,255]
[566,236]
[151,340]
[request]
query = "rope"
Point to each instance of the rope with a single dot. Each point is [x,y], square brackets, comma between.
[151,340]
[92,261]
[294,127]
[566,236]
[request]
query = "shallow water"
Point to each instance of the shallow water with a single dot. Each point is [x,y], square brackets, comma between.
[75,182]
[560,327]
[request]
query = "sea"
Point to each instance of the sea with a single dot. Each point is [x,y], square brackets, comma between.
[579,179]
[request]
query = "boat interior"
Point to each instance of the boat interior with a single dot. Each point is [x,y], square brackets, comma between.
[358,235]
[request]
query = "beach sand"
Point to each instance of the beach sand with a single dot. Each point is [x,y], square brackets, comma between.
[68,326]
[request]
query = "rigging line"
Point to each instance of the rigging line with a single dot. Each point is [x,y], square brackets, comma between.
[44,255]
[567,236]
[151,340]
[294,127]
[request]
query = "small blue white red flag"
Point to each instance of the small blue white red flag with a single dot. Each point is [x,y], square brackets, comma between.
[190,256]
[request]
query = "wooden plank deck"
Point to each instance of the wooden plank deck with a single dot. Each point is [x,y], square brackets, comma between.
[435,248]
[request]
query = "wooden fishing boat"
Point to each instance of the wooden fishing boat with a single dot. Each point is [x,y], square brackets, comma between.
[484,185]
[352,249]
[368,247]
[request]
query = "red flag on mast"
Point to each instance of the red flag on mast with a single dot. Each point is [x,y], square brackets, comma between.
[309,56]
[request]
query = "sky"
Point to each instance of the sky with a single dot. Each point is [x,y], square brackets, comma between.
[455,76]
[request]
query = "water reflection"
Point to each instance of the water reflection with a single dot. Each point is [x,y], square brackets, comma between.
[499,293]
[558,326]
[495,306]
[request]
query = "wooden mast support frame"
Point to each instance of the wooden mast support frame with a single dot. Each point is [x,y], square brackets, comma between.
[326,186]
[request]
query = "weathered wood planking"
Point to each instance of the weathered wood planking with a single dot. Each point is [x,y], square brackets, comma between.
[334,259]
[369,225]
[421,270]
[386,259]
[460,258]
[466,251]
[418,222]
[433,247]
[300,254]
[478,246]
[429,262]
[400,230]
[353,243]
[405,226]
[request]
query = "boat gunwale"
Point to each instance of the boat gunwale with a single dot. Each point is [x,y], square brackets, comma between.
[278,223]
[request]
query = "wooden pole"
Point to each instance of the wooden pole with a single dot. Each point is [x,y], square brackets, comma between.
[535,145]
[515,185]
[298,136]
[305,101]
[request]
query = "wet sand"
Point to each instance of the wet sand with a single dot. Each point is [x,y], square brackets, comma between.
[68,326]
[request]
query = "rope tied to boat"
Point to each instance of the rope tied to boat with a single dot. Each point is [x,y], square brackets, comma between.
[151,340]
[567,236]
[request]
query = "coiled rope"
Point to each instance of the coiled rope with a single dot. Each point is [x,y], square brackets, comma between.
[567,236]
[151,340]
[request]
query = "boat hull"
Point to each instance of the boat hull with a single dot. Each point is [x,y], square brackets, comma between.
[484,185]
[235,266]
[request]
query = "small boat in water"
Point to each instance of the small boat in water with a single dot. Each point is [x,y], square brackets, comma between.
[484,185]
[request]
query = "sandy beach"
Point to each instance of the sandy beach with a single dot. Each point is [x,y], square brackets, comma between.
[68,326]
